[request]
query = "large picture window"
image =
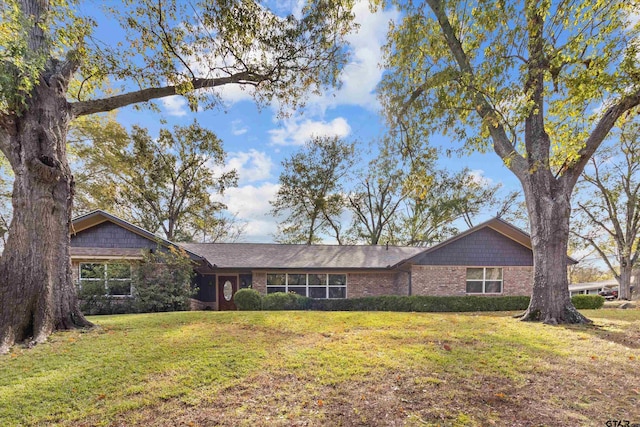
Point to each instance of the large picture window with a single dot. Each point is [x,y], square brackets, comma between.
[114,278]
[313,285]
[485,280]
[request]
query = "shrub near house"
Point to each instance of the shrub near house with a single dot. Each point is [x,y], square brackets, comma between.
[161,281]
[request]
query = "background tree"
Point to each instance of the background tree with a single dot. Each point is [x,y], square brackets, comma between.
[542,82]
[311,197]
[435,200]
[607,216]
[165,48]
[376,200]
[164,185]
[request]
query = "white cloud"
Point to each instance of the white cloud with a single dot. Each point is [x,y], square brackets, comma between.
[362,74]
[359,78]
[251,204]
[477,175]
[234,93]
[237,128]
[175,105]
[297,131]
[252,165]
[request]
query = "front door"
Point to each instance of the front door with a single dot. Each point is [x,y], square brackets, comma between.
[227,287]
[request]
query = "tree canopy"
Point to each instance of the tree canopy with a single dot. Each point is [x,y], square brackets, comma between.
[311,196]
[165,185]
[540,82]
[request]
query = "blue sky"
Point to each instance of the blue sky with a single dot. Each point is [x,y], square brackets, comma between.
[257,141]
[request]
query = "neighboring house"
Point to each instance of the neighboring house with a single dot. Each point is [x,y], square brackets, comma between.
[594,288]
[493,258]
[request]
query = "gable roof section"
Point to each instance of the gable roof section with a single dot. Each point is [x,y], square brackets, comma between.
[500,242]
[509,245]
[100,218]
[279,256]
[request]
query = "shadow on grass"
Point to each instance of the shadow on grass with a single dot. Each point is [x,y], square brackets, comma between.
[628,338]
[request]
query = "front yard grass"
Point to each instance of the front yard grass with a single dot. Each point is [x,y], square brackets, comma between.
[328,368]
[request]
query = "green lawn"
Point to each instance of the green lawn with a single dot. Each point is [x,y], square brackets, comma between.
[324,368]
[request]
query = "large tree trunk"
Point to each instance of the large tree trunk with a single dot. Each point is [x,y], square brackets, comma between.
[36,288]
[624,281]
[549,210]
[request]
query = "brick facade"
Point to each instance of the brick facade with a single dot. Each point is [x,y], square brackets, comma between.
[517,280]
[452,280]
[358,284]
[377,283]
[259,281]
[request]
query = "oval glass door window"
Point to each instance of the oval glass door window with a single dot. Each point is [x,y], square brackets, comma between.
[227,290]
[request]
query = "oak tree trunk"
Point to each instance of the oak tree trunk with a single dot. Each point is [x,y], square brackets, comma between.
[37,294]
[624,281]
[549,210]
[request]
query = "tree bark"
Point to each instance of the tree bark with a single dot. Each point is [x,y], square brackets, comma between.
[549,211]
[36,288]
[624,280]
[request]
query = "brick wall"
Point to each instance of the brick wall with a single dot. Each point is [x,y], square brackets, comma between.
[438,280]
[358,284]
[259,281]
[517,280]
[452,280]
[377,283]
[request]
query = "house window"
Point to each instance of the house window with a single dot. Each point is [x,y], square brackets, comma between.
[313,285]
[113,278]
[485,280]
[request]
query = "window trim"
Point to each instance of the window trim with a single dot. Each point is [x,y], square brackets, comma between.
[307,286]
[105,279]
[484,281]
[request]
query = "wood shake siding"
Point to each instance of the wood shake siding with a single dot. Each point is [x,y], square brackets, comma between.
[484,247]
[109,235]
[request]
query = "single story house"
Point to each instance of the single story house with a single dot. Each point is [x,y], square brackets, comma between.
[594,288]
[492,258]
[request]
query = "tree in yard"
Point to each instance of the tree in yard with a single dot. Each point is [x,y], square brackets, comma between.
[435,200]
[542,82]
[162,184]
[608,205]
[311,196]
[52,70]
[376,200]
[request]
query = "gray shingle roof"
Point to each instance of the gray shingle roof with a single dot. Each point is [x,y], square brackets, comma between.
[267,255]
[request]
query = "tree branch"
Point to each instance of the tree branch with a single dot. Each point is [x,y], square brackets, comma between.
[605,124]
[83,108]
[501,144]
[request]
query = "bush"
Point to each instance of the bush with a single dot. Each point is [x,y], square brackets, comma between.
[424,304]
[162,281]
[587,302]
[285,301]
[248,300]
[93,300]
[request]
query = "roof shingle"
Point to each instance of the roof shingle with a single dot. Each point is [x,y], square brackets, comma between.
[268,255]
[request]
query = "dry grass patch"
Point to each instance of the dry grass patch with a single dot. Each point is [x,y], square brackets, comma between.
[319,368]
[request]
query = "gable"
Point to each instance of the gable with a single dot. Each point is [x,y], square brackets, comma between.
[110,235]
[483,247]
